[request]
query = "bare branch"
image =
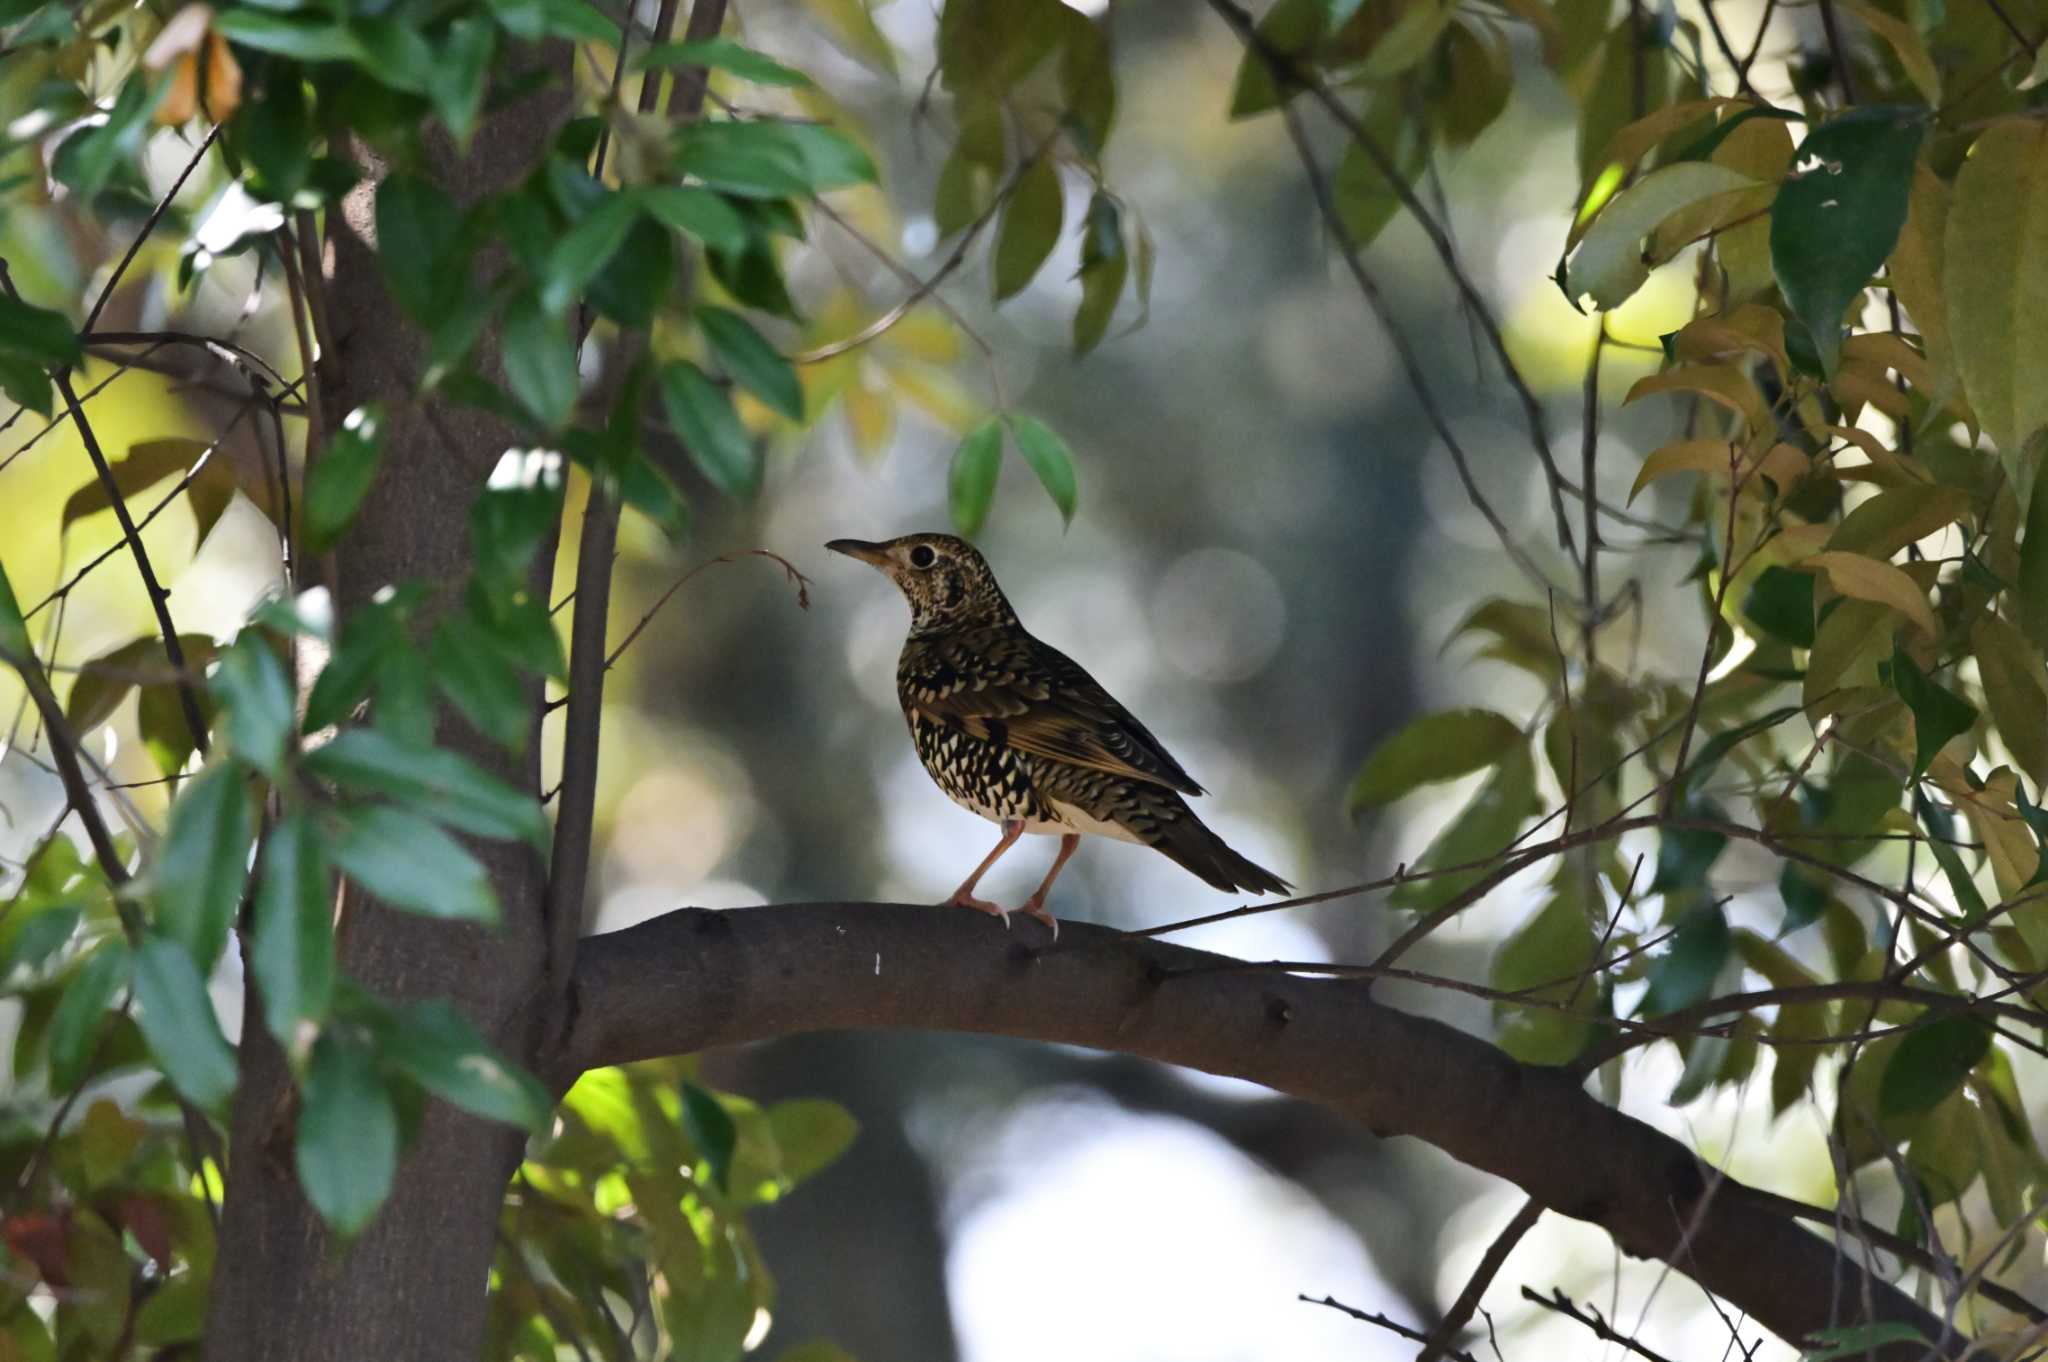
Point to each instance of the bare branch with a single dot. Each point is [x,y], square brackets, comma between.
[1591,1318]
[694,979]
[1392,1326]
[1490,1263]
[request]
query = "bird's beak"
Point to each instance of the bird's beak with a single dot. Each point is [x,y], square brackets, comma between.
[874,555]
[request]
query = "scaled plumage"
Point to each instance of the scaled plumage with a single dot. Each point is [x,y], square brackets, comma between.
[1016,731]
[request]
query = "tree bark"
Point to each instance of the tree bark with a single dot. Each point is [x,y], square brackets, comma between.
[694,978]
[412,1287]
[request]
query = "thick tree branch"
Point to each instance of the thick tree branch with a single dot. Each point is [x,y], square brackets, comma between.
[695,978]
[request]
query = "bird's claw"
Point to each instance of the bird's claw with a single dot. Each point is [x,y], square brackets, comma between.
[966,900]
[1035,907]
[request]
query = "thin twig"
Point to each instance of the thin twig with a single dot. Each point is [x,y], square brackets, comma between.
[1381,1321]
[1592,1319]
[159,599]
[1490,1263]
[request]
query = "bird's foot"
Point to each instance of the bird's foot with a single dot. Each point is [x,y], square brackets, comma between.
[1035,907]
[963,899]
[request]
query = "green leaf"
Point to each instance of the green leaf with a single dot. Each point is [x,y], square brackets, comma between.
[417,228]
[1050,459]
[810,1132]
[1839,215]
[1854,1340]
[465,68]
[42,337]
[436,783]
[177,1020]
[203,861]
[25,383]
[2029,597]
[436,1047]
[1938,714]
[14,641]
[1609,263]
[475,676]
[971,481]
[1484,828]
[1291,28]
[710,1128]
[307,40]
[831,159]
[1435,747]
[540,362]
[1805,895]
[582,251]
[1684,973]
[1686,855]
[701,415]
[753,159]
[1930,1063]
[723,54]
[2016,690]
[252,690]
[340,478]
[1898,516]
[699,213]
[348,1135]
[752,361]
[292,948]
[147,463]
[409,863]
[75,1025]
[1780,602]
[1029,226]
[1543,957]
[1994,263]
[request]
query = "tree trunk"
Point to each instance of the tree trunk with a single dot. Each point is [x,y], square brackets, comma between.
[412,1286]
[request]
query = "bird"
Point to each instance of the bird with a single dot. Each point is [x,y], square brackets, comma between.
[1012,729]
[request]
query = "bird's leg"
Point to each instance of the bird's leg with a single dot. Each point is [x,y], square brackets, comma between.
[963,897]
[1035,905]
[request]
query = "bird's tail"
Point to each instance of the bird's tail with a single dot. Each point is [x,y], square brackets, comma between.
[1188,841]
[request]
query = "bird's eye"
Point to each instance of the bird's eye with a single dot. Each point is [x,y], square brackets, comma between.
[922,556]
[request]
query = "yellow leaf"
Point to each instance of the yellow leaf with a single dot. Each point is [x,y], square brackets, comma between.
[1892,519]
[1743,328]
[1915,272]
[1684,456]
[1722,383]
[2016,691]
[1847,646]
[1762,149]
[871,416]
[1906,44]
[1996,273]
[1867,579]
[1628,145]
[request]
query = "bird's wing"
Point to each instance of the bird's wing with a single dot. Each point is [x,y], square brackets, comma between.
[1009,687]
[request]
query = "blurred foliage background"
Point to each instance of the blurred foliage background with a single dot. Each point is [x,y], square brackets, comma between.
[1270,562]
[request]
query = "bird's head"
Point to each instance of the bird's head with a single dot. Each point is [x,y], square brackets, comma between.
[946,581]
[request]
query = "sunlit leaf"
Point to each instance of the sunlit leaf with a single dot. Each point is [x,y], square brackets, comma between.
[253,691]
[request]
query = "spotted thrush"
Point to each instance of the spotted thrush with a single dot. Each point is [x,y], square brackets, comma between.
[1014,730]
